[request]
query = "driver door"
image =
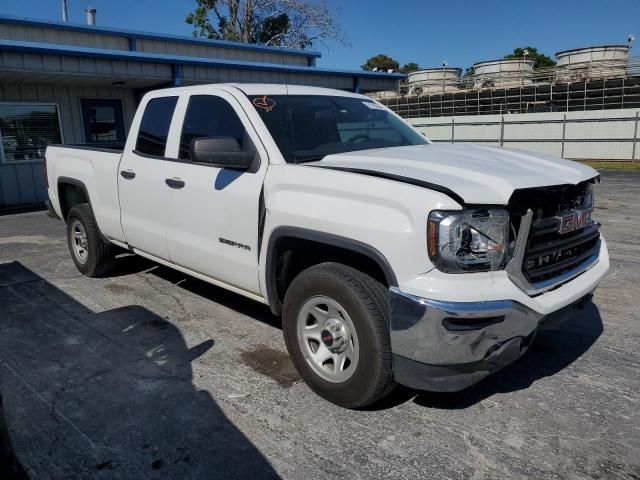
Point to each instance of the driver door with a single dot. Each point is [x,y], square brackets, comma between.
[212,223]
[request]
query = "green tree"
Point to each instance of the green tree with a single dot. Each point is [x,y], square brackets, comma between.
[381,62]
[540,60]
[288,23]
[410,67]
[274,29]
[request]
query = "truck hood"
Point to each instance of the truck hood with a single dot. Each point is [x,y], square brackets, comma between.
[475,174]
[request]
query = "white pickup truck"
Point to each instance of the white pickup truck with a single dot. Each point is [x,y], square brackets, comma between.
[391,259]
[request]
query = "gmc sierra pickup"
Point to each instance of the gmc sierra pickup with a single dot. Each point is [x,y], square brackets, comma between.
[391,259]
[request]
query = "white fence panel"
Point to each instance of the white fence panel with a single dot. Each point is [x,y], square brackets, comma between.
[596,135]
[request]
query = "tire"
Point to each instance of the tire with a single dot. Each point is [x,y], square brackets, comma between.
[358,303]
[98,258]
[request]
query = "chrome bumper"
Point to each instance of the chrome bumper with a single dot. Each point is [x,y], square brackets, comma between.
[448,346]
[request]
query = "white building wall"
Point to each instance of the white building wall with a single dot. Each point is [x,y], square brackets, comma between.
[590,135]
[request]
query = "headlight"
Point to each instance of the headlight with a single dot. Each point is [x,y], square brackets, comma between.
[468,240]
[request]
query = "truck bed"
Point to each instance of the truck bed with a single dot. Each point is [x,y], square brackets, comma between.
[112,147]
[93,169]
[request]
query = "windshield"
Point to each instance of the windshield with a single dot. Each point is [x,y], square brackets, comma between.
[309,127]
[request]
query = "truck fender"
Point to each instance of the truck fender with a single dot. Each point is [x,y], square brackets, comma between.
[83,187]
[75,182]
[320,237]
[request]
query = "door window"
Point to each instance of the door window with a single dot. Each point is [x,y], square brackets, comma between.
[103,120]
[210,116]
[154,127]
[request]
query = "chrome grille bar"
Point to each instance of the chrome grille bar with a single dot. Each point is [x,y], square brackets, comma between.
[567,268]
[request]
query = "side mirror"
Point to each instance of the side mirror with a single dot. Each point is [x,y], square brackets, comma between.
[222,152]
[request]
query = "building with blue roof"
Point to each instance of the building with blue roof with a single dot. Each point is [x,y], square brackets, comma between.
[72,83]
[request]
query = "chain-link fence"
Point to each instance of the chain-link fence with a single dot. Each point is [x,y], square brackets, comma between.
[599,86]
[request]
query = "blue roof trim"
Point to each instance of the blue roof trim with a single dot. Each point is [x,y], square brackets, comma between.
[72,51]
[78,27]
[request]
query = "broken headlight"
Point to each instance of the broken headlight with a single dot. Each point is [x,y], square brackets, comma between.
[468,240]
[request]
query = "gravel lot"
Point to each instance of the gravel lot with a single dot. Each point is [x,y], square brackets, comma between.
[152,374]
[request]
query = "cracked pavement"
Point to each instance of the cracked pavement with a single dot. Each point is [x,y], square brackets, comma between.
[153,374]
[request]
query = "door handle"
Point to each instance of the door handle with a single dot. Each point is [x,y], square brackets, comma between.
[128,174]
[174,182]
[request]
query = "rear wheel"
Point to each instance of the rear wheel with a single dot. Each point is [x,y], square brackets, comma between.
[92,255]
[335,328]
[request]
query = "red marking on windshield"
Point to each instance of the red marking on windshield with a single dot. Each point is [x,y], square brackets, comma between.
[265,103]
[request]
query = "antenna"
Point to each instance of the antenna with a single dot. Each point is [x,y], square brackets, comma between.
[286,87]
[284,69]
[64,11]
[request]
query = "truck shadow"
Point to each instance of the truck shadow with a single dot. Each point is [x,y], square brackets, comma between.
[551,352]
[107,394]
[231,300]
[128,264]
[10,467]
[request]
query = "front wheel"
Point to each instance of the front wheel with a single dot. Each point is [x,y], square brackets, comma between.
[335,328]
[92,255]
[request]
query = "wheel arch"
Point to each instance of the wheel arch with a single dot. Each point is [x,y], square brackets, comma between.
[352,252]
[71,192]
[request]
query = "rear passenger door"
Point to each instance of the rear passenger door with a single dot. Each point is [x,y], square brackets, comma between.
[141,178]
[213,214]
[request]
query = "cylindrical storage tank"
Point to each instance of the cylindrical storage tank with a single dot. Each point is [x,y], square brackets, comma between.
[434,80]
[502,73]
[588,63]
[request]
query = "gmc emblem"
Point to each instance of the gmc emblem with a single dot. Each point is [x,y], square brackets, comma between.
[573,220]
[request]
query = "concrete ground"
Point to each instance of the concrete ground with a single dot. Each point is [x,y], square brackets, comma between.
[151,374]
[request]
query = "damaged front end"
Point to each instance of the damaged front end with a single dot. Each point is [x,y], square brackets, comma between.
[554,237]
[550,240]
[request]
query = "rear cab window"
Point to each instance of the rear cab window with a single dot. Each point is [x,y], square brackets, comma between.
[154,126]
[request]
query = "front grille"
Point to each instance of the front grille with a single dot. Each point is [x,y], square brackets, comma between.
[543,257]
[550,254]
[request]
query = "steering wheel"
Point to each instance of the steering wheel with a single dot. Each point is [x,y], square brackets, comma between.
[360,137]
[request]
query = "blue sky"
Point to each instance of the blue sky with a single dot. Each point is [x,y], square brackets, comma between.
[424,31]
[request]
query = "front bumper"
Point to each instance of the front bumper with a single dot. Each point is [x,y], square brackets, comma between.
[448,346]
[451,331]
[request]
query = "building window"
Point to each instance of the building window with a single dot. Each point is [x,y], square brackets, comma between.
[154,127]
[26,130]
[103,120]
